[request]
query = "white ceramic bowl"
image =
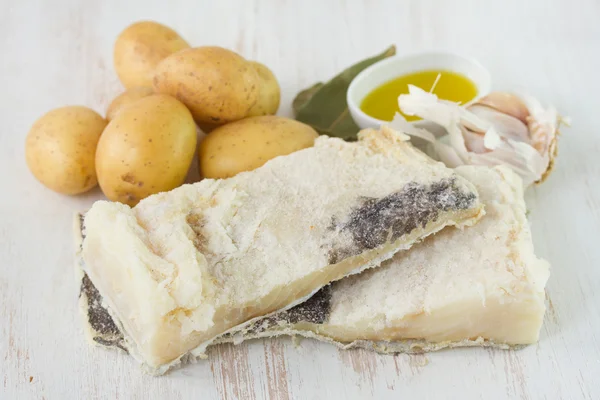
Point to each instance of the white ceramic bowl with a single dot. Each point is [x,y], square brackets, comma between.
[393,67]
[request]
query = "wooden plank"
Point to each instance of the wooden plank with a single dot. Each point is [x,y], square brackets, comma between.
[57,53]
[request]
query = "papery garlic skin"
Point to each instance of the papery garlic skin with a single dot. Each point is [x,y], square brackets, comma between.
[506,103]
[512,127]
[543,127]
[499,129]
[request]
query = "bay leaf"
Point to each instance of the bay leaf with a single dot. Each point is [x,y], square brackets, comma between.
[323,105]
[304,96]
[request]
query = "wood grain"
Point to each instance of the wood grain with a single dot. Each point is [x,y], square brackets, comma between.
[231,371]
[57,53]
[276,370]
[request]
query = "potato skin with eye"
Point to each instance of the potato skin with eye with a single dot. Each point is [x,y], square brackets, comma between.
[126,98]
[217,85]
[147,148]
[61,146]
[269,93]
[248,144]
[140,48]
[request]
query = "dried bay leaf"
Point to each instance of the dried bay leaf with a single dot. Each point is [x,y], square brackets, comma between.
[304,96]
[323,105]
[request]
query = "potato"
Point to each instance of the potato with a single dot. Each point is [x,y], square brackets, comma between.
[247,144]
[139,49]
[126,98]
[216,84]
[269,93]
[147,148]
[61,146]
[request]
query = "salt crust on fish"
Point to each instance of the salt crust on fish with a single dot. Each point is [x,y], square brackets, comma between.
[482,286]
[184,267]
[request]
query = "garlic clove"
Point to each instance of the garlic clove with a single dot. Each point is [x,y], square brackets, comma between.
[539,135]
[544,140]
[544,124]
[506,103]
[507,126]
[474,141]
[480,134]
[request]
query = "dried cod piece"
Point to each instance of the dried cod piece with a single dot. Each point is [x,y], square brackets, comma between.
[184,267]
[499,129]
[482,286]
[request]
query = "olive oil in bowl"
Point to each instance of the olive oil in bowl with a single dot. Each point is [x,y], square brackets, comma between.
[382,102]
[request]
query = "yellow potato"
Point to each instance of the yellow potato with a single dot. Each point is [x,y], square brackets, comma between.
[61,146]
[126,98]
[216,84]
[247,144]
[139,49]
[269,93]
[147,148]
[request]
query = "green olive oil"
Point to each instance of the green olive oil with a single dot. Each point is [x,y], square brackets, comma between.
[382,102]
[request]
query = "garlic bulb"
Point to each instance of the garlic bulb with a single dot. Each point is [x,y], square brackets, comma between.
[500,128]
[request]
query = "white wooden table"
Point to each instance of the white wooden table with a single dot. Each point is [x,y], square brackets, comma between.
[54,53]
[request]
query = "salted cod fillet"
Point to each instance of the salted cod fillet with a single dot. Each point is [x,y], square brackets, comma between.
[186,266]
[482,286]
